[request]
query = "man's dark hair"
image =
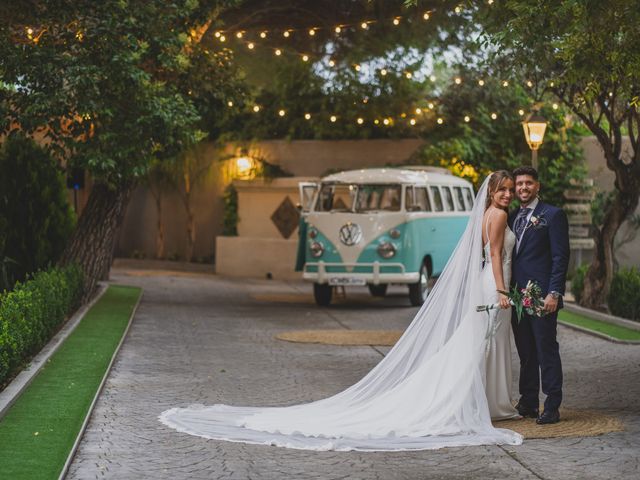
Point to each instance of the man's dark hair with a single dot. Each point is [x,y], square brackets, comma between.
[526,170]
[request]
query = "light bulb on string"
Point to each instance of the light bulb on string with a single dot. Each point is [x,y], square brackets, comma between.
[230,103]
[239,35]
[256,108]
[286,34]
[360,121]
[356,67]
[383,72]
[408,75]
[282,113]
[457,9]
[529,83]
[412,121]
[494,116]
[505,83]
[338,29]
[481,82]
[305,58]
[554,106]
[396,21]
[278,52]
[432,78]
[364,25]
[333,119]
[458,80]
[307,116]
[386,121]
[223,38]
[376,121]
[312,32]
[426,16]
[418,111]
[467,118]
[263,34]
[332,63]
[440,121]
[251,46]
[431,105]
[521,112]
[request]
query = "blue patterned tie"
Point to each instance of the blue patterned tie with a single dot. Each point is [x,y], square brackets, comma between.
[520,222]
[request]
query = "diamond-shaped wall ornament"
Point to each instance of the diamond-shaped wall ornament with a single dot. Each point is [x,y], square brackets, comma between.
[286,217]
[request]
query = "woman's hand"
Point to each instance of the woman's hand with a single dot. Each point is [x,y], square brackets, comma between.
[504,301]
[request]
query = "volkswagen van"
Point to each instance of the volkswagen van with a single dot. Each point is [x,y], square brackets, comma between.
[381,226]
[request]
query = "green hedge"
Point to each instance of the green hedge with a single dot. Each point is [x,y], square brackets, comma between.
[32,313]
[577,281]
[624,295]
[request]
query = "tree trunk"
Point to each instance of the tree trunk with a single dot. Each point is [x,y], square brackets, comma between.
[600,274]
[191,234]
[160,229]
[93,241]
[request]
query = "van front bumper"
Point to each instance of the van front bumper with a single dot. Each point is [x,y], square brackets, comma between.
[373,275]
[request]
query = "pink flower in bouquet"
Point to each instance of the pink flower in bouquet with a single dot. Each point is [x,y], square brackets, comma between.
[526,302]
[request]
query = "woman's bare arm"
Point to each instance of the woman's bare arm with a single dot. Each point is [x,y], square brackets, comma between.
[496,242]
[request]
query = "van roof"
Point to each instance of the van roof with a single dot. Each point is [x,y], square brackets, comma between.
[395,175]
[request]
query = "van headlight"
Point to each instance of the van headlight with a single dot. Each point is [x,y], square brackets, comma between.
[394,233]
[317,249]
[386,250]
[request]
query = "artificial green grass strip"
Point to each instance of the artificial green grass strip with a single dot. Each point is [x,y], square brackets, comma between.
[38,432]
[615,331]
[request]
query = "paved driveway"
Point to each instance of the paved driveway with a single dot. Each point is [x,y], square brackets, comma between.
[208,339]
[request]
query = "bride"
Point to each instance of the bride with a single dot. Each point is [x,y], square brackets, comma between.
[437,387]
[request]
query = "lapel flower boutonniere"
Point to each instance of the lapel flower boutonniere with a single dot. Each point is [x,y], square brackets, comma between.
[537,221]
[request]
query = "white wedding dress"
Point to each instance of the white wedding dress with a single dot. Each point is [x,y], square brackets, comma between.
[498,364]
[428,392]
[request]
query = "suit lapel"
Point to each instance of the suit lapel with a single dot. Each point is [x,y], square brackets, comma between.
[528,228]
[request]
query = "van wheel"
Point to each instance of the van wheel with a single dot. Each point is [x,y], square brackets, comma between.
[419,291]
[379,290]
[322,293]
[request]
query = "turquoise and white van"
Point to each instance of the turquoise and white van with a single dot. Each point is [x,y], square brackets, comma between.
[381,226]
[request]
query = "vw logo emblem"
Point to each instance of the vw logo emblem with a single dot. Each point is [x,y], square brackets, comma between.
[350,234]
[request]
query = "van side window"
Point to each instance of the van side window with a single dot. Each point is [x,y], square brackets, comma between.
[437,199]
[448,199]
[459,199]
[417,200]
[468,195]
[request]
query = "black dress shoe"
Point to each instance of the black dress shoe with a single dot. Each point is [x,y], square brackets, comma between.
[526,411]
[548,417]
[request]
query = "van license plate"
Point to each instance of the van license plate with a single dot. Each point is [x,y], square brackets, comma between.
[347,281]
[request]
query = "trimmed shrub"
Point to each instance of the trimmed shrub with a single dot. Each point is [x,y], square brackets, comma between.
[36,219]
[624,295]
[32,313]
[577,281]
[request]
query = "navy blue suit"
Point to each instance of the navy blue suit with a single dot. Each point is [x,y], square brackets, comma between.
[542,256]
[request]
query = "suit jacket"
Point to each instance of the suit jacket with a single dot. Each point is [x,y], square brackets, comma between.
[543,253]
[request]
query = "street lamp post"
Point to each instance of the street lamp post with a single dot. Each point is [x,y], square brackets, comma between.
[534,127]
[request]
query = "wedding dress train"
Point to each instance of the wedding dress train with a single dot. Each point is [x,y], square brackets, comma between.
[428,392]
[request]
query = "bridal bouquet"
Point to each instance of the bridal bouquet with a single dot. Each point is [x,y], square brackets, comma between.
[528,299]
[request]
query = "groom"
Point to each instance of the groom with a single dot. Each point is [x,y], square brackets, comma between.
[541,255]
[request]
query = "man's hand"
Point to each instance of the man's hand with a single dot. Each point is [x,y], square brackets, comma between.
[550,304]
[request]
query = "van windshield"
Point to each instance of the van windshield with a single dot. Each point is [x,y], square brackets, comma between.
[340,197]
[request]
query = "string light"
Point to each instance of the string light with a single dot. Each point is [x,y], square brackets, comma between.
[364,25]
[250,46]
[239,35]
[555,106]
[332,63]
[376,121]
[431,105]
[278,52]
[230,103]
[256,108]
[338,29]
[305,58]
[494,116]
[396,21]
[408,75]
[412,121]
[312,32]
[440,121]
[383,72]
[432,78]
[282,113]
[418,111]
[333,118]
[263,34]
[529,83]
[458,80]
[386,121]
[426,16]
[467,118]
[223,38]
[481,82]
[307,116]
[505,83]
[357,68]
[360,120]
[458,9]
[217,34]
[286,34]
[521,112]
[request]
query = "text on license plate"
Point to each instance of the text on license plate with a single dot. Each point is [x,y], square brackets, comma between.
[347,281]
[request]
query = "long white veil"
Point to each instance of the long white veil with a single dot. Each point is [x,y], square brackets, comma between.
[428,392]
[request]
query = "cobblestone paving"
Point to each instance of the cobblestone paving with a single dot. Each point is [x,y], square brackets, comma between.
[204,339]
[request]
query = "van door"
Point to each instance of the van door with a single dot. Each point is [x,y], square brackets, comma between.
[307,192]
